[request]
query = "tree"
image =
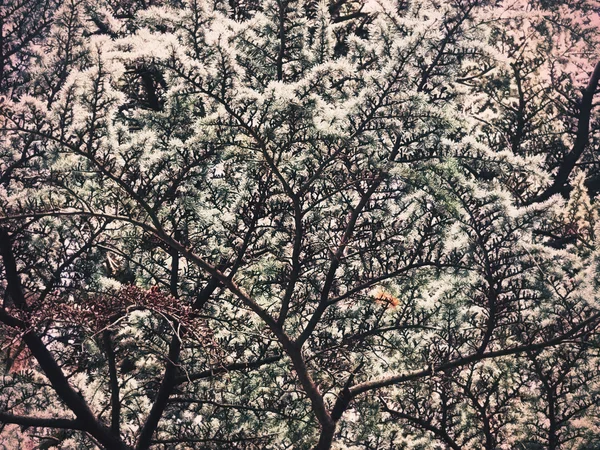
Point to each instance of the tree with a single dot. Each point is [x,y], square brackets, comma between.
[300,225]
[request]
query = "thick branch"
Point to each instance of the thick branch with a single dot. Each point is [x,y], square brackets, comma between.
[581,141]
[282,4]
[162,397]
[48,364]
[115,403]
[25,421]
[418,374]
[168,382]
[10,267]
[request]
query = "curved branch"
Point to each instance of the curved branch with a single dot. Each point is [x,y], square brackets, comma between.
[418,374]
[72,399]
[581,141]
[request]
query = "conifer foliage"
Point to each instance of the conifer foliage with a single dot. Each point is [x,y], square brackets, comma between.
[299,225]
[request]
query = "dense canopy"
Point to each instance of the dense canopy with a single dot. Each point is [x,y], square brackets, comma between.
[298,225]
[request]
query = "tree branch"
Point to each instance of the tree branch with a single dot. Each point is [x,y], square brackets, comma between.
[336,259]
[401,378]
[115,402]
[438,432]
[26,421]
[48,364]
[160,402]
[168,382]
[225,369]
[581,141]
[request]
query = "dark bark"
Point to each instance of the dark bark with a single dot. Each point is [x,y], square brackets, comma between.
[10,267]
[583,128]
[517,137]
[115,401]
[25,421]
[553,425]
[162,397]
[204,295]
[168,382]
[580,330]
[72,399]
[282,13]
[149,86]
[326,437]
